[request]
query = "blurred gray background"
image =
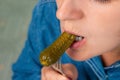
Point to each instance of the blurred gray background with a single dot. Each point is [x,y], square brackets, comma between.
[15,17]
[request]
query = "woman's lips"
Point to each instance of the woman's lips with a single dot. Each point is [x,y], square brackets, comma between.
[80,40]
[78,43]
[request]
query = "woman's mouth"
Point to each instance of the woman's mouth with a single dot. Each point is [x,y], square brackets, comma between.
[79,41]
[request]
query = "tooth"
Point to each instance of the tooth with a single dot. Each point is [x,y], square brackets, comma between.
[78,38]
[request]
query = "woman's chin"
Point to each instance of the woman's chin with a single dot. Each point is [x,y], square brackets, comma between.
[78,55]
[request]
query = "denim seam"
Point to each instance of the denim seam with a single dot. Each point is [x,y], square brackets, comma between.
[101,73]
[94,69]
[114,66]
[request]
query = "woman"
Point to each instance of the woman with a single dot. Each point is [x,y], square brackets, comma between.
[95,57]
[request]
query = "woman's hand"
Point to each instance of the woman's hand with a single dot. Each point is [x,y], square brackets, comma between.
[70,71]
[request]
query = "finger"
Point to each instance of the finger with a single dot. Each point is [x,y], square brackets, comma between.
[70,71]
[42,75]
[49,74]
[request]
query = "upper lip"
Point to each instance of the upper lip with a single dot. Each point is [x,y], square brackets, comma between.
[74,33]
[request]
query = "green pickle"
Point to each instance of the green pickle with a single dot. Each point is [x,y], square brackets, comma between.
[53,52]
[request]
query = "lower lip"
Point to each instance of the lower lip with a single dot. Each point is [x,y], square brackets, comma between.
[78,44]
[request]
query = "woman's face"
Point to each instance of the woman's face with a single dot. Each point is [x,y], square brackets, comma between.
[98,21]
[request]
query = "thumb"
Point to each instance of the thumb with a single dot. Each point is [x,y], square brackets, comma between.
[71,71]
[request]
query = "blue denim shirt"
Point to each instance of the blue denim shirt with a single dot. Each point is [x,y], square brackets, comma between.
[43,30]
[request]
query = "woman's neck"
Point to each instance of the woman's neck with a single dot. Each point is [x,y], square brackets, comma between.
[110,57]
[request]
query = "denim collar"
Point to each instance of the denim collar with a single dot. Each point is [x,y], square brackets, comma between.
[114,65]
[100,71]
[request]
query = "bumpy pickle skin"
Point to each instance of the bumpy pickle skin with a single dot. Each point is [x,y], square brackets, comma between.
[53,52]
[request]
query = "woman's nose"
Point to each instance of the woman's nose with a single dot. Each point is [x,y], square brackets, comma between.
[68,11]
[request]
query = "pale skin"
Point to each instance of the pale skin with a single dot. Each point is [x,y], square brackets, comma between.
[99,22]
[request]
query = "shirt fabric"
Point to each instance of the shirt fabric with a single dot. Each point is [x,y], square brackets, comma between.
[44,28]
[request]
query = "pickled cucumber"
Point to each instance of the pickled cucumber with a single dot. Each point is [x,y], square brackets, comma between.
[53,52]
